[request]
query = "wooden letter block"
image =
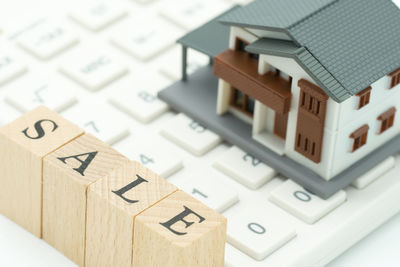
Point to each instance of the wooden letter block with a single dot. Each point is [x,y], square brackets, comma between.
[113,204]
[179,231]
[68,172]
[23,144]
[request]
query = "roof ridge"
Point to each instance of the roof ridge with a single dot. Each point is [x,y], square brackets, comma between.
[312,14]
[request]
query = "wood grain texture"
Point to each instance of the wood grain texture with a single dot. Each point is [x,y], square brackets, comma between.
[198,241]
[112,208]
[24,143]
[66,178]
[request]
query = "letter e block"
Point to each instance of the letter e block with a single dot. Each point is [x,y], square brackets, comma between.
[24,143]
[68,172]
[179,231]
[113,204]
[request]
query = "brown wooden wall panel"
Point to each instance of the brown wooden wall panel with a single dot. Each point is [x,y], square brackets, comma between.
[241,72]
[310,121]
[280,125]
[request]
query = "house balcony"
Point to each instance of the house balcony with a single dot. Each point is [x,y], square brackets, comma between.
[241,72]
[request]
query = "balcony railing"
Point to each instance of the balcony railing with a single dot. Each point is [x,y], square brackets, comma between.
[241,72]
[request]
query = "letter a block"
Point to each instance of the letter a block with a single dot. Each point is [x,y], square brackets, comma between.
[179,231]
[23,144]
[68,172]
[113,204]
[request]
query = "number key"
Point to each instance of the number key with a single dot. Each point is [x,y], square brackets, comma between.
[153,153]
[303,204]
[244,168]
[141,105]
[211,192]
[190,135]
[258,233]
[104,123]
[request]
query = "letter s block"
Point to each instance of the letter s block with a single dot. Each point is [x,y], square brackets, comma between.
[67,174]
[24,143]
[179,231]
[113,204]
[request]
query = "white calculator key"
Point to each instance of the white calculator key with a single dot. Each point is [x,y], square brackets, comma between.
[258,233]
[143,105]
[102,121]
[54,94]
[190,135]
[244,168]
[191,14]
[145,40]
[372,175]
[7,113]
[10,68]
[93,69]
[98,16]
[47,40]
[144,1]
[241,2]
[161,162]
[212,193]
[152,153]
[304,205]
[171,64]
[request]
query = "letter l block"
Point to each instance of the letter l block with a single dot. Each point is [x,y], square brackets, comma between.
[24,143]
[113,204]
[179,231]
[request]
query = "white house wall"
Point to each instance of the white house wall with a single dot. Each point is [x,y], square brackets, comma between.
[241,33]
[379,93]
[351,119]
[292,68]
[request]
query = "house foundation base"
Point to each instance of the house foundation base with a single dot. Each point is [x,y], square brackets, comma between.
[197,97]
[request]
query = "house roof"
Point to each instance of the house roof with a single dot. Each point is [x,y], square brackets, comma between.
[274,14]
[211,38]
[347,44]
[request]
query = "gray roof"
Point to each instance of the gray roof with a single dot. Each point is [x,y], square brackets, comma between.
[347,44]
[312,66]
[211,38]
[274,14]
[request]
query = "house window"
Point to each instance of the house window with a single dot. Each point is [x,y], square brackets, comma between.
[364,97]
[240,45]
[306,145]
[312,100]
[395,78]
[387,119]
[360,137]
[242,102]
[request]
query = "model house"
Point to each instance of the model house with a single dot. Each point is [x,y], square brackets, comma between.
[316,81]
[311,88]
